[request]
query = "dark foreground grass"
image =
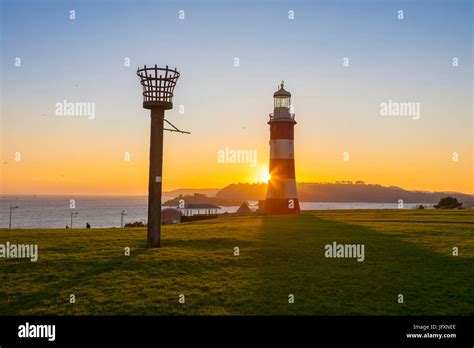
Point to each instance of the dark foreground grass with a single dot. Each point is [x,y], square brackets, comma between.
[406,252]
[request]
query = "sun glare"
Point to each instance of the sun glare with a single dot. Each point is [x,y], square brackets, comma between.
[267,177]
[264,177]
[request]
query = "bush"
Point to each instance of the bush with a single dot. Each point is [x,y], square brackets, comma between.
[448,203]
[135,224]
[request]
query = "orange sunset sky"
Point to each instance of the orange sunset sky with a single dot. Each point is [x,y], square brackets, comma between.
[227,105]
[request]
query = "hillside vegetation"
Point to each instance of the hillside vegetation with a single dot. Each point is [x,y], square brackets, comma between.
[343,192]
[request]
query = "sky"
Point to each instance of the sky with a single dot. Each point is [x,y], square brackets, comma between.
[340,134]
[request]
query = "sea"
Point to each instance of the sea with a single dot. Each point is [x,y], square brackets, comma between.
[106,211]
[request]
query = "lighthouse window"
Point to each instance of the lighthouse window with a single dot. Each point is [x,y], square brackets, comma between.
[282,102]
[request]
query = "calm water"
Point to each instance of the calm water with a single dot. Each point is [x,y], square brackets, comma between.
[104,211]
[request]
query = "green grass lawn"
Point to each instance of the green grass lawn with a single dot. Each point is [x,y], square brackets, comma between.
[406,252]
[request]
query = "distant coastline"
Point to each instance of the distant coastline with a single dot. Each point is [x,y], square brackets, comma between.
[338,192]
[347,192]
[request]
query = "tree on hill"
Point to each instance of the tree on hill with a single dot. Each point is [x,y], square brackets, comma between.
[448,203]
[331,192]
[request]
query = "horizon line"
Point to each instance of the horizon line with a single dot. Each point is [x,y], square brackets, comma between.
[239,183]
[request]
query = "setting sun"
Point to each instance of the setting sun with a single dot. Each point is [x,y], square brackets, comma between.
[263,176]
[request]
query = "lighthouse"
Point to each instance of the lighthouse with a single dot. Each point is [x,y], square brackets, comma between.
[281,190]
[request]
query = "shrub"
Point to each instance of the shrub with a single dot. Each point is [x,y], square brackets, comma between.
[448,203]
[135,224]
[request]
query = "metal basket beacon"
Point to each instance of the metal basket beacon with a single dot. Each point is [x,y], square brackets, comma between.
[158,86]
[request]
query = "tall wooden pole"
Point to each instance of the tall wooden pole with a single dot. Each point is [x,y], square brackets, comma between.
[157,115]
[158,85]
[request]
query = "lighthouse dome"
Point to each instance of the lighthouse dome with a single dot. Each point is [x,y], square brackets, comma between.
[282,93]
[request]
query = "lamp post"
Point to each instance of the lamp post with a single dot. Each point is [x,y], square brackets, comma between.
[11,209]
[73,214]
[158,86]
[122,214]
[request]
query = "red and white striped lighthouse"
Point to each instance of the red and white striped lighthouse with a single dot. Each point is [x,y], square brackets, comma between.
[281,191]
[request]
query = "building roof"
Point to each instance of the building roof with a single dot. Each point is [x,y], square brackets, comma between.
[170,211]
[201,206]
[243,209]
[282,93]
[167,214]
